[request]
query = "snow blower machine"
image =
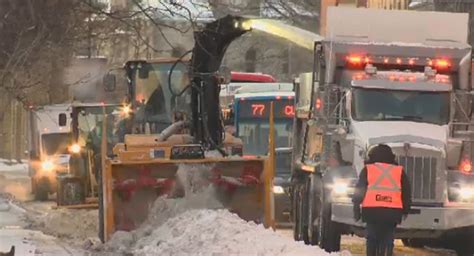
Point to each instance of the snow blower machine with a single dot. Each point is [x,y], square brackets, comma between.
[176,122]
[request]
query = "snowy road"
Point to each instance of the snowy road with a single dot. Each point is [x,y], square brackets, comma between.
[36,229]
[14,225]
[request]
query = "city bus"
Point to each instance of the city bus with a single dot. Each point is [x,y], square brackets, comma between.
[252,112]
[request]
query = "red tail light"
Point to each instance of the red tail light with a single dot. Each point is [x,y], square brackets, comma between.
[354,60]
[466,166]
[319,104]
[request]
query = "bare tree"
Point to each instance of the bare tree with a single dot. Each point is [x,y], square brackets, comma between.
[36,43]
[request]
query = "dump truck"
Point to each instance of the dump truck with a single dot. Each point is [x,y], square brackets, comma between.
[399,78]
[176,121]
[48,154]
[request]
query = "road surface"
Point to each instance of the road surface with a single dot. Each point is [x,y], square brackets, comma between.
[14,225]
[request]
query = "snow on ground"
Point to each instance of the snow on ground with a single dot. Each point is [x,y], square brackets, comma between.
[75,225]
[197,225]
[12,166]
[14,231]
[217,232]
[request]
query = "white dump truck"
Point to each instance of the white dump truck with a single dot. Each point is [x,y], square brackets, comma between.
[399,78]
[50,138]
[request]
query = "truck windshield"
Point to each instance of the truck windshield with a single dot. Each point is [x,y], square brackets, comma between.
[156,102]
[376,104]
[56,143]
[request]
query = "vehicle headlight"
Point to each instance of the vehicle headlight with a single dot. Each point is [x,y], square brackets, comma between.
[126,110]
[47,165]
[466,193]
[278,190]
[75,148]
[340,188]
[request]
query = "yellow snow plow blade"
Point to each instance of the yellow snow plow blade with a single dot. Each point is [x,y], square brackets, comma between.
[135,179]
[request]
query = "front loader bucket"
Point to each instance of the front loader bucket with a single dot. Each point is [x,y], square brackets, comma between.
[131,188]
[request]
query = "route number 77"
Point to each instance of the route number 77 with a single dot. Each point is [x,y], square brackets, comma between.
[257,109]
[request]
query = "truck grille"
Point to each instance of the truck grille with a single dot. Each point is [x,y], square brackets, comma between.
[421,172]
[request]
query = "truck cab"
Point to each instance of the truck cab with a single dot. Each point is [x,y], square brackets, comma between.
[49,149]
[413,95]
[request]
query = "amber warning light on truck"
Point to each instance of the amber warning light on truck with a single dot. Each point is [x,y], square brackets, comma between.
[361,61]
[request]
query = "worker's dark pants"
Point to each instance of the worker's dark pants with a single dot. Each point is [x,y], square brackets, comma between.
[380,238]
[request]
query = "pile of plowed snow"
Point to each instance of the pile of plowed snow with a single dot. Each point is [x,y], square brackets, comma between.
[217,232]
[197,225]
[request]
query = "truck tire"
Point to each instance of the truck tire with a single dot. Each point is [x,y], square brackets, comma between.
[295,213]
[314,208]
[41,189]
[300,227]
[304,212]
[329,231]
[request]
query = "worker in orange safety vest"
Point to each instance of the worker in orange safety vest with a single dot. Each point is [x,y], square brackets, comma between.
[383,191]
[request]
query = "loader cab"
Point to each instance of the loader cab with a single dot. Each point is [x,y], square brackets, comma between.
[157,90]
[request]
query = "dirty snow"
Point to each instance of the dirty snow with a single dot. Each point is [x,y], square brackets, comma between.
[197,225]
[65,223]
[217,232]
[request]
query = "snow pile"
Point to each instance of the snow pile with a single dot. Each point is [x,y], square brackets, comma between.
[217,232]
[65,223]
[12,166]
[196,224]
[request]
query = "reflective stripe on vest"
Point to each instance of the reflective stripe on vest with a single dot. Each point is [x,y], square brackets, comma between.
[384,187]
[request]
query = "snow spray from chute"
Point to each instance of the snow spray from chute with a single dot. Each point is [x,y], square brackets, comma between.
[298,36]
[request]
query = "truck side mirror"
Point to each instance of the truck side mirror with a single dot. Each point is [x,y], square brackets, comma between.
[109,82]
[62,120]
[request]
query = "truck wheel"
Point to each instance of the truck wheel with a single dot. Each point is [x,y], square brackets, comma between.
[304,213]
[299,230]
[314,205]
[329,232]
[297,236]
[41,189]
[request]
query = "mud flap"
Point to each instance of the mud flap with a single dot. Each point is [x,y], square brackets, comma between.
[130,189]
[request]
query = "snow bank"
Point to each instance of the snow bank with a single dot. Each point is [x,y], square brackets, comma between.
[65,223]
[12,166]
[197,225]
[218,232]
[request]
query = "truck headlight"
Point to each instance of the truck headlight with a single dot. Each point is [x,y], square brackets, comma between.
[75,148]
[278,190]
[47,165]
[340,188]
